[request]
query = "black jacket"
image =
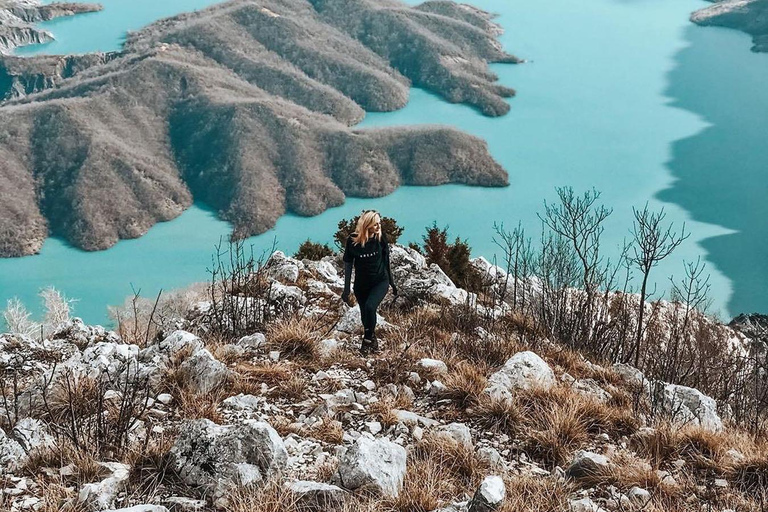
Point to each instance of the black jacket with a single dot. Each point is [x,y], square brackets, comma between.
[371,263]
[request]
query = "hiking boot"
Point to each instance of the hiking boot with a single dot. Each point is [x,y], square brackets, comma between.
[375,344]
[367,346]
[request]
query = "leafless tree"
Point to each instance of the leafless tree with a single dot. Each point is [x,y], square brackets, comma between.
[579,220]
[652,243]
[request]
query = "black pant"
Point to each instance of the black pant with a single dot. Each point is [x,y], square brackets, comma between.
[369,300]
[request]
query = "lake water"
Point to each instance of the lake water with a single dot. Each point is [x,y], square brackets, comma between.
[624,96]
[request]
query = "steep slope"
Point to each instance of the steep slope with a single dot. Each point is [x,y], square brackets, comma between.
[246,106]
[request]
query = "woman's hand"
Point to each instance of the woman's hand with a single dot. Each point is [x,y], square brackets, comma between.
[345,297]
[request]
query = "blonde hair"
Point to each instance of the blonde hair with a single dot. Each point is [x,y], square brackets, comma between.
[366,220]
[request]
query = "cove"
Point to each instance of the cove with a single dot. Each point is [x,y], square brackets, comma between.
[602,103]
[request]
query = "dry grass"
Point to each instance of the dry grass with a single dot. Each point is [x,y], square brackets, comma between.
[57,497]
[384,411]
[558,432]
[85,465]
[293,389]
[250,376]
[439,470]
[751,475]
[385,408]
[535,494]
[464,383]
[150,466]
[73,396]
[703,450]
[498,415]
[329,431]
[295,337]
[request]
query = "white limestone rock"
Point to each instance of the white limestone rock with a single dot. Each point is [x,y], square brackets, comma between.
[689,406]
[524,370]
[101,495]
[12,455]
[221,457]
[373,464]
[281,267]
[316,495]
[489,496]
[33,435]
[203,372]
[142,508]
[434,365]
[457,432]
[253,342]
[586,463]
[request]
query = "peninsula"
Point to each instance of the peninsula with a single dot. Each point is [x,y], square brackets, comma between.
[246,106]
[18,16]
[750,16]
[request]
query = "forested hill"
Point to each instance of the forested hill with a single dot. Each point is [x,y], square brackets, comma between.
[246,106]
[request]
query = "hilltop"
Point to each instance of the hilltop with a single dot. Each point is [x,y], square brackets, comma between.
[251,396]
[246,106]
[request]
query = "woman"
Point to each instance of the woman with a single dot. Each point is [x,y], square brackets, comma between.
[368,250]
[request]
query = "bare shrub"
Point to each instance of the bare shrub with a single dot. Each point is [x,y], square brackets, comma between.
[95,415]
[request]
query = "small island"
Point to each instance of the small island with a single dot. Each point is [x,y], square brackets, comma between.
[246,106]
[17,18]
[750,16]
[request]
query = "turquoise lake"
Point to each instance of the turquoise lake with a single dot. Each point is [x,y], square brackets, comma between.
[627,97]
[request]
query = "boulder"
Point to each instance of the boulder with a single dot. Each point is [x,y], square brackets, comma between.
[524,370]
[489,496]
[241,402]
[328,346]
[326,271]
[12,455]
[584,505]
[178,344]
[82,335]
[633,376]
[591,388]
[221,457]
[316,495]
[457,432]
[281,267]
[373,464]
[33,435]
[101,495]
[203,373]
[252,342]
[587,463]
[639,497]
[492,457]
[112,358]
[689,406]
[288,296]
[434,365]
[184,504]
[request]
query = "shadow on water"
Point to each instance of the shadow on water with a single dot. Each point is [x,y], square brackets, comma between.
[721,171]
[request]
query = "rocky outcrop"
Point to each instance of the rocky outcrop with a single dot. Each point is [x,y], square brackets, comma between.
[220,457]
[750,16]
[245,106]
[17,17]
[689,406]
